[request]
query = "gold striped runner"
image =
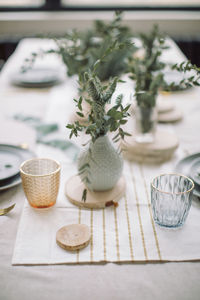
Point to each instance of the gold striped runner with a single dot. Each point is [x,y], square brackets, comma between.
[129,229]
[116,234]
[139,215]
[91,243]
[150,212]
[104,235]
[79,222]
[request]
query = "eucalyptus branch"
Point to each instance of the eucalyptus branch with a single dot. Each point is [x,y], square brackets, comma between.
[186,66]
[81,50]
[30,61]
[148,72]
[100,121]
[189,80]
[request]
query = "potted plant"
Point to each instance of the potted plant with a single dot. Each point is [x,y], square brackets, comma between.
[148,74]
[100,163]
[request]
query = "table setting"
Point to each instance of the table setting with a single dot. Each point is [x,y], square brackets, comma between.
[62,220]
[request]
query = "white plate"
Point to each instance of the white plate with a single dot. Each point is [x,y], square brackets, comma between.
[36,77]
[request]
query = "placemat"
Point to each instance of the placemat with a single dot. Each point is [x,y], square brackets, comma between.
[123,234]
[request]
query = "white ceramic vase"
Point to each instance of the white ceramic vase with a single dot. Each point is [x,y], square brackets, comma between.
[103,165]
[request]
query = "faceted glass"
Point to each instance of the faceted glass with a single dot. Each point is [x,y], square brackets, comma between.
[171,198]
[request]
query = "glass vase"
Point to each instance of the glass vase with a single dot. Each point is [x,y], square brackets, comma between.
[145,124]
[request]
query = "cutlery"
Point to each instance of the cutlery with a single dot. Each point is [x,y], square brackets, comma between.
[4,211]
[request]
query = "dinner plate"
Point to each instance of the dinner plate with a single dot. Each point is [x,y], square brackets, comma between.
[184,167]
[195,171]
[15,157]
[36,77]
[10,161]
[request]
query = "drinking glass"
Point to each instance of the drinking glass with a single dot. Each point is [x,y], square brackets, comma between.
[40,180]
[171,198]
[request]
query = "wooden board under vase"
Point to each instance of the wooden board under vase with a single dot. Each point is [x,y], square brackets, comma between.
[74,188]
[159,151]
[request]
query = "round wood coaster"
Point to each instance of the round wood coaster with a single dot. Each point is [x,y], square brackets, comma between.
[74,188]
[159,151]
[170,117]
[164,106]
[73,237]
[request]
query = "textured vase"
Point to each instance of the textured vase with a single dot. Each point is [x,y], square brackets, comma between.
[101,164]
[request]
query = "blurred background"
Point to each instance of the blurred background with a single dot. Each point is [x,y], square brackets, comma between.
[180,19]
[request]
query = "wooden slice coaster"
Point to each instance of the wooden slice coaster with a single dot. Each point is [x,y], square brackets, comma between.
[73,237]
[159,151]
[164,106]
[147,159]
[74,188]
[170,117]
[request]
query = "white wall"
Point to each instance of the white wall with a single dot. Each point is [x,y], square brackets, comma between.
[175,23]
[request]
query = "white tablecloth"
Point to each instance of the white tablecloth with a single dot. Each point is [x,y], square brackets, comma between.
[146,281]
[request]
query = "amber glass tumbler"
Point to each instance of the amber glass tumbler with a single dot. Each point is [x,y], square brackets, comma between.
[40,180]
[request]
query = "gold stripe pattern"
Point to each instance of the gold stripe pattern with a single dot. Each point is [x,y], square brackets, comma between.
[150,212]
[116,234]
[139,215]
[79,222]
[104,235]
[129,229]
[91,242]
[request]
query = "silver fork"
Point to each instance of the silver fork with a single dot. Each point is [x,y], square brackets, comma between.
[4,211]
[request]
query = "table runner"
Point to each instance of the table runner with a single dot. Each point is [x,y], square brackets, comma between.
[122,234]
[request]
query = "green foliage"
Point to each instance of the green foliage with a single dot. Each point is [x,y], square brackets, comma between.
[148,72]
[84,196]
[188,81]
[100,121]
[105,34]
[79,50]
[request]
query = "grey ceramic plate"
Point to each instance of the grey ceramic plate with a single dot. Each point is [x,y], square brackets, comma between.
[195,171]
[184,167]
[37,77]
[10,161]
[15,157]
